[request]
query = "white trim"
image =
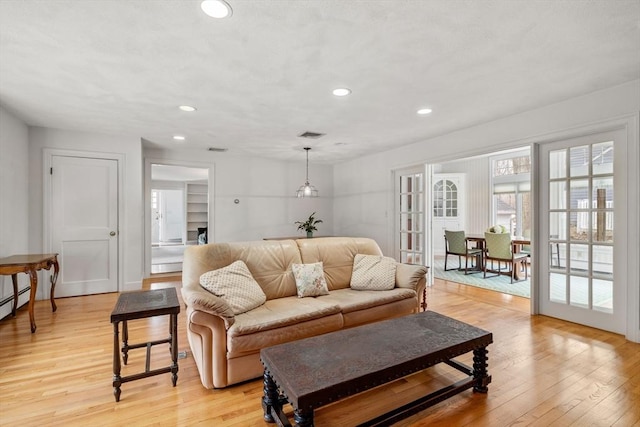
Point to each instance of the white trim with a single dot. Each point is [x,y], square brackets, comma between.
[147,202]
[47,162]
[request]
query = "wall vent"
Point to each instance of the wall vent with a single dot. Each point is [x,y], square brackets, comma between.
[311,135]
[218,149]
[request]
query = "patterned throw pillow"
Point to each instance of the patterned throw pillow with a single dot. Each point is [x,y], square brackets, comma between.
[235,284]
[310,280]
[373,273]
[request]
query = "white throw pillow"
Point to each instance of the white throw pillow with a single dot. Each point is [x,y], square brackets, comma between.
[310,280]
[373,273]
[235,284]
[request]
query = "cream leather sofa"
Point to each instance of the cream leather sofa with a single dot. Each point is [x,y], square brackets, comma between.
[226,348]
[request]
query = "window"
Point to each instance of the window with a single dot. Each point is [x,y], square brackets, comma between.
[445,199]
[511,182]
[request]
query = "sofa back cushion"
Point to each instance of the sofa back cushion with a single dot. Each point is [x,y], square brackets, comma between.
[336,255]
[268,261]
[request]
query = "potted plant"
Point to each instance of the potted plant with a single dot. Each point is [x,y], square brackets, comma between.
[309,225]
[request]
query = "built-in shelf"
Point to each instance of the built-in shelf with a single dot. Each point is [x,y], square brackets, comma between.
[197,209]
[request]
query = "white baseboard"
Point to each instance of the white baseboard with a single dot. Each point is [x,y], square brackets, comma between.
[5,309]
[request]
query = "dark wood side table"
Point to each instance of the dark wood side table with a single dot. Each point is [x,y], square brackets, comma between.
[30,264]
[139,305]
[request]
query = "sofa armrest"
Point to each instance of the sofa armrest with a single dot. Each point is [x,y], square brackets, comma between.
[201,300]
[410,275]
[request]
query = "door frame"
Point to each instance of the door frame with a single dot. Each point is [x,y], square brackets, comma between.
[147,201]
[47,161]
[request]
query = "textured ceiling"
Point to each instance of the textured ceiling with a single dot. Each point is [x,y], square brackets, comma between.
[265,75]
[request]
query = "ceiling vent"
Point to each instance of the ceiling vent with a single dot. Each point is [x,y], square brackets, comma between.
[311,135]
[217,149]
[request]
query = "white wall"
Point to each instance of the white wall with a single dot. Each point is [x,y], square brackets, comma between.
[265,189]
[363,188]
[14,201]
[131,225]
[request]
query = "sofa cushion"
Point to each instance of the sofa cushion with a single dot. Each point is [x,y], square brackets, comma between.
[310,280]
[351,300]
[235,285]
[281,312]
[373,273]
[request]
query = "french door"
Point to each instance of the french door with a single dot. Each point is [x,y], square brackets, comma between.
[410,219]
[582,252]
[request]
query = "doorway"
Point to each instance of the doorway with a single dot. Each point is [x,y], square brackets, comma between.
[474,194]
[178,213]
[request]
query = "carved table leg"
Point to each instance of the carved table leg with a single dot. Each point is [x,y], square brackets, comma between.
[54,279]
[116,363]
[33,275]
[270,398]
[14,279]
[303,418]
[481,377]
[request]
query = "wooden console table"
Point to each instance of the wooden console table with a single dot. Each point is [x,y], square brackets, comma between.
[30,264]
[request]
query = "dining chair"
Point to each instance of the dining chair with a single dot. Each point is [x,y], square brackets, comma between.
[499,248]
[456,244]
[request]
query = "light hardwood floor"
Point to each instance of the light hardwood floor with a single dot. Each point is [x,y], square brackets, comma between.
[545,372]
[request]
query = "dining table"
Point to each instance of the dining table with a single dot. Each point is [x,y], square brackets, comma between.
[517,243]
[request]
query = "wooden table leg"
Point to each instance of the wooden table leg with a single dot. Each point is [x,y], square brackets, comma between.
[480,375]
[14,309]
[270,398]
[54,279]
[125,342]
[33,275]
[116,363]
[174,348]
[303,418]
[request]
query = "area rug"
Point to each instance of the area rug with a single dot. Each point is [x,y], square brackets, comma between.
[499,283]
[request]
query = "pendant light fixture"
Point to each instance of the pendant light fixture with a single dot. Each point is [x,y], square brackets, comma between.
[307,190]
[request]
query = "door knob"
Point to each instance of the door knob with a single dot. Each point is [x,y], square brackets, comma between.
[113,233]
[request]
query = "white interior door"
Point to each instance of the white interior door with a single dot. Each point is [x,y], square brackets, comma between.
[448,207]
[583,257]
[84,224]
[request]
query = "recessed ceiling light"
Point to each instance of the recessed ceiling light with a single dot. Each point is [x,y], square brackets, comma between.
[424,111]
[187,108]
[216,8]
[342,91]
[179,137]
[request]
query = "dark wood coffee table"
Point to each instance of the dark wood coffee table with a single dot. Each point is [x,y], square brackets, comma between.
[316,371]
[139,305]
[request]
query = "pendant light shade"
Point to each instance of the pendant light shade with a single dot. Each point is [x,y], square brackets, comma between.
[307,190]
